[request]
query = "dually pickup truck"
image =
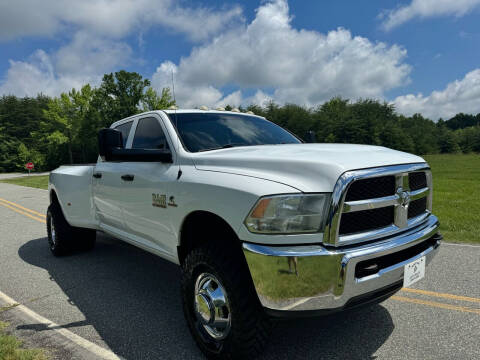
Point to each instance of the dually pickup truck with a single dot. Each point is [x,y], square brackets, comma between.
[263,225]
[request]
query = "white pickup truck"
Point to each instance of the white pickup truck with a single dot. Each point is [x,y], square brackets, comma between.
[262,224]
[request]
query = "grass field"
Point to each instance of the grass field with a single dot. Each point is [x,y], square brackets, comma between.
[10,348]
[40,182]
[456,198]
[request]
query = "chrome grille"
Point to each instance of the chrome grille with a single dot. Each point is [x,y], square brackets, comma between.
[366,220]
[417,180]
[417,207]
[371,188]
[373,203]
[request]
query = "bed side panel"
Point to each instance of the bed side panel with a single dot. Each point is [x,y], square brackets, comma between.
[73,186]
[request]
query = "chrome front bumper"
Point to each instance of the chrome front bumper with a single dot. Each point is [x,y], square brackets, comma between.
[302,278]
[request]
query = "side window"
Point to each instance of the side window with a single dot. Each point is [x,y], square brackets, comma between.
[149,135]
[125,130]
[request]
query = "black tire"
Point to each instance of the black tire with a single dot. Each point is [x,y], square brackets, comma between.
[250,327]
[65,238]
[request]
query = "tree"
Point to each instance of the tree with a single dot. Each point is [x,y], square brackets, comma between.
[447,141]
[60,121]
[461,121]
[65,117]
[28,155]
[295,118]
[469,139]
[8,152]
[330,120]
[51,132]
[256,109]
[422,131]
[392,136]
[20,116]
[152,101]
[119,96]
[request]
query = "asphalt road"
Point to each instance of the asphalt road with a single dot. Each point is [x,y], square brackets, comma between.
[127,300]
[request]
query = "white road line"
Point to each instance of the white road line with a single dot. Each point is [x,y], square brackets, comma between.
[88,345]
[296,303]
[463,245]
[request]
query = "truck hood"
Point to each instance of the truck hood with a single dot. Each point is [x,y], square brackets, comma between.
[306,167]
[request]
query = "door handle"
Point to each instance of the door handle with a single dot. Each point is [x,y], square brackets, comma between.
[97,175]
[127,177]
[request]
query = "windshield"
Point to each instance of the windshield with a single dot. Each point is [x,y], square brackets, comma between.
[204,131]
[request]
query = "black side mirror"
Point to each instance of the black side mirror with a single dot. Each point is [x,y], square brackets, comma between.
[109,139]
[310,137]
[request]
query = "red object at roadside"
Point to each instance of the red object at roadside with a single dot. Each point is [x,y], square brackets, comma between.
[29,166]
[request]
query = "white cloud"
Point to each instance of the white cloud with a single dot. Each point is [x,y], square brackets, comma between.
[28,78]
[424,9]
[198,23]
[260,98]
[89,54]
[459,96]
[234,99]
[115,18]
[82,61]
[204,94]
[95,30]
[301,66]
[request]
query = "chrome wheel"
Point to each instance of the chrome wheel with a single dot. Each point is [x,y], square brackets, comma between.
[52,239]
[52,232]
[211,306]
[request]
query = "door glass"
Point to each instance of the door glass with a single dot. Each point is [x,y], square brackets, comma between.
[125,130]
[149,135]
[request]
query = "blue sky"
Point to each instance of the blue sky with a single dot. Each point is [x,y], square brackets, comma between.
[421,55]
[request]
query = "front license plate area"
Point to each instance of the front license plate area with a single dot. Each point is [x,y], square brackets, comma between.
[414,271]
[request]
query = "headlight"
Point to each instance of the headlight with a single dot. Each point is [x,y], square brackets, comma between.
[286,214]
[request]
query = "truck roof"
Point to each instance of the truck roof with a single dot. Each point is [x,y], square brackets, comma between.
[182,111]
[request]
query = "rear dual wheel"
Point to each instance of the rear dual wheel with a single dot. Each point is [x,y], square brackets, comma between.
[64,238]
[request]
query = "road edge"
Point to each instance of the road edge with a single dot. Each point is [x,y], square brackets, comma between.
[74,339]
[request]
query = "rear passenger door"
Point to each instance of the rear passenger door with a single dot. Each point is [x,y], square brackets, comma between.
[146,196]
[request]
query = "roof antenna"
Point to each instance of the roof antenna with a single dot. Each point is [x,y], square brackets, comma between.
[176,127]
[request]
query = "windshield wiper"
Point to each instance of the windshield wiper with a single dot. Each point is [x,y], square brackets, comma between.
[226,146]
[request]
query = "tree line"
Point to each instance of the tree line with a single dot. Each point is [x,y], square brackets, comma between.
[61,130]
[53,131]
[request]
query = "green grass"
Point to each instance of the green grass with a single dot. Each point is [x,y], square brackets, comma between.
[8,307]
[10,348]
[456,196]
[40,182]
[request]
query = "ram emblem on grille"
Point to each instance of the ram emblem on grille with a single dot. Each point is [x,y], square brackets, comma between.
[403,197]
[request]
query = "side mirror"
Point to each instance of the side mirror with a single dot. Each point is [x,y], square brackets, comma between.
[109,139]
[310,137]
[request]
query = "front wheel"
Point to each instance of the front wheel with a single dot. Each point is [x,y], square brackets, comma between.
[221,308]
